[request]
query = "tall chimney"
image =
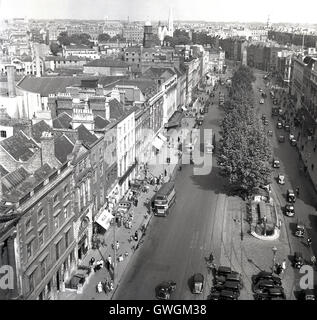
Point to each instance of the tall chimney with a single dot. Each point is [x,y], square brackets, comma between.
[11,80]
[48,148]
[37,60]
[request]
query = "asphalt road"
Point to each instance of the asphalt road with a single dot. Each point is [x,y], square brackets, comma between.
[175,247]
[307,202]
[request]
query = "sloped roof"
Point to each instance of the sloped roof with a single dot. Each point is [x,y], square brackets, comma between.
[19,146]
[85,135]
[107,63]
[3,171]
[48,85]
[133,49]
[157,72]
[100,122]
[63,147]
[38,129]
[116,110]
[63,121]
[14,178]
[28,184]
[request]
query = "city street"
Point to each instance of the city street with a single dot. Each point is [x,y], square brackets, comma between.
[176,246]
[289,157]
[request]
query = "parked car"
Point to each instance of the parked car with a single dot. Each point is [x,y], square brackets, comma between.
[276,293]
[291,136]
[263,285]
[232,277]
[289,210]
[287,127]
[223,295]
[264,275]
[261,101]
[270,133]
[290,196]
[164,290]
[279,125]
[281,139]
[298,261]
[300,229]
[266,122]
[229,285]
[293,142]
[263,116]
[281,179]
[276,163]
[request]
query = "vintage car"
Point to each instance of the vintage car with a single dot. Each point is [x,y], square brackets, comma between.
[298,261]
[289,210]
[276,293]
[287,127]
[281,179]
[290,196]
[276,163]
[198,283]
[266,122]
[263,116]
[293,142]
[279,125]
[265,275]
[223,295]
[263,285]
[300,229]
[270,133]
[281,139]
[261,101]
[232,277]
[164,290]
[308,294]
[229,285]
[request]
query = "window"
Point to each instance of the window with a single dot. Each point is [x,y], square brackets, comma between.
[28,225]
[66,212]
[57,251]
[31,282]
[29,249]
[95,176]
[101,168]
[55,199]
[43,268]
[65,190]
[41,237]
[67,239]
[56,222]
[3,134]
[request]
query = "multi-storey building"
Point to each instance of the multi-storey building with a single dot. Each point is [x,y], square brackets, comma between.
[80,51]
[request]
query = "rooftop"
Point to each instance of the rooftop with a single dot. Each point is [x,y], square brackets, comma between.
[19,146]
[63,147]
[107,63]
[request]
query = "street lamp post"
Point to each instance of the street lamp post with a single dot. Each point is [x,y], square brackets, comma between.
[274,249]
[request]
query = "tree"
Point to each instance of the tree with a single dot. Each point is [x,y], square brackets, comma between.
[63,39]
[55,48]
[244,151]
[118,37]
[103,37]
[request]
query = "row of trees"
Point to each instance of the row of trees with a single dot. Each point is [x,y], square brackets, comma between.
[245,151]
[180,37]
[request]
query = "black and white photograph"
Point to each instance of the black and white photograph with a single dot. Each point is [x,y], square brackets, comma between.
[158,151]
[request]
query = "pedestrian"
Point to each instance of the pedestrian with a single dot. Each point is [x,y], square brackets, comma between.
[136,202]
[297,191]
[309,241]
[92,261]
[136,235]
[283,265]
[165,172]
[109,260]
[117,245]
[302,147]
[312,166]
[305,169]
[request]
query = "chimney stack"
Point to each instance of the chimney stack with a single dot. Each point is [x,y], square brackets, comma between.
[48,149]
[11,80]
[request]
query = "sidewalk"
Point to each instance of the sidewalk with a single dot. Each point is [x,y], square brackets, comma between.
[123,234]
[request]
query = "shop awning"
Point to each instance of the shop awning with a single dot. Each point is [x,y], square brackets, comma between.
[104,219]
[157,143]
[175,120]
[127,173]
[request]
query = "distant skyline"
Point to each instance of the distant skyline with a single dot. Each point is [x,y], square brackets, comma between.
[141,10]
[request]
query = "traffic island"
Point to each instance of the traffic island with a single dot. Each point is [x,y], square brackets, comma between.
[263,218]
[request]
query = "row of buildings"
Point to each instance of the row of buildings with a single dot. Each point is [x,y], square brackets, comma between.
[70,145]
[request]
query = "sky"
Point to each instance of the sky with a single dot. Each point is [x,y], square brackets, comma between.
[208,10]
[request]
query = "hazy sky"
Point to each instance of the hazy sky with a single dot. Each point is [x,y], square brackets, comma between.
[209,10]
